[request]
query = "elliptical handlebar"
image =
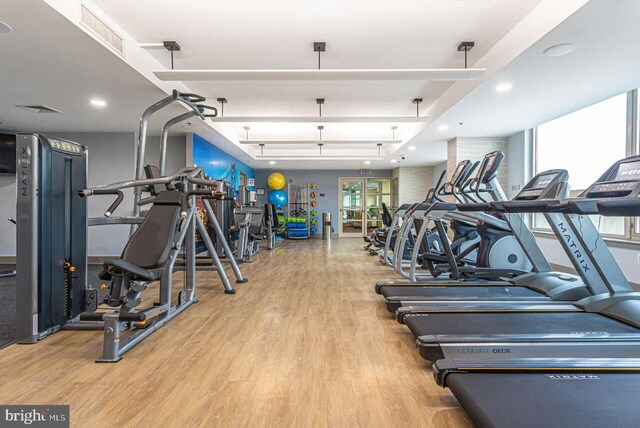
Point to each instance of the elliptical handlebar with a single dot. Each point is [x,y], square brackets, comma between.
[465,182]
[481,174]
[439,186]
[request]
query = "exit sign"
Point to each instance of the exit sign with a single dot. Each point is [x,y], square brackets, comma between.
[365,172]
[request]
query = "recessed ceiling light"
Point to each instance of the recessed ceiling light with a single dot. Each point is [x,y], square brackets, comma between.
[412,148]
[504,87]
[367,162]
[394,161]
[560,50]
[98,103]
[443,127]
[272,162]
[5,28]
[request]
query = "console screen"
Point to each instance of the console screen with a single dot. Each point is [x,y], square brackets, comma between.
[628,171]
[458,171]
[543,181]
[492,160]
[489,161]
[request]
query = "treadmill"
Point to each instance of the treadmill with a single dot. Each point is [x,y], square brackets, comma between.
[540,392]
[602,325]
[542,285]
[502,392]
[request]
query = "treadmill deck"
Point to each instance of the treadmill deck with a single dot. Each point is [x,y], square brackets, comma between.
[395,295]
[568,399]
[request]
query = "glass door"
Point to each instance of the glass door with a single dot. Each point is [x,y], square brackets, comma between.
[352,200]
[378,192]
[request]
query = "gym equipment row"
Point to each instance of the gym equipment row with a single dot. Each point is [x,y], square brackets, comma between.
[52,224]
[252,224]
[504,336]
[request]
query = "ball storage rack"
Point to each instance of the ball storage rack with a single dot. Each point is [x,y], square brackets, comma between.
[298,216]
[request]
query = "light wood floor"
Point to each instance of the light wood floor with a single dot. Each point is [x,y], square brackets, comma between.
[306,342]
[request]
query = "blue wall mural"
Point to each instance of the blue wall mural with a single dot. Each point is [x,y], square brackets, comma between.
[215,161]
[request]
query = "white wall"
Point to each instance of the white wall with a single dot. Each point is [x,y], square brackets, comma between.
[437,171]
[327,187]
[414,183]
[475,149]
[518,162]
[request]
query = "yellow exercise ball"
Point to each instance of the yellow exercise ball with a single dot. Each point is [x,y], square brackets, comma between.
[276,181]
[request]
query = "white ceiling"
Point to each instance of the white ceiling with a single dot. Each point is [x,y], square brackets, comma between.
[253,34]
[65,68]
[47,60]
[605,63]
[280,35]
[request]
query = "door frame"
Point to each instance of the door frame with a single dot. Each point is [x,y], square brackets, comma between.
[363,208]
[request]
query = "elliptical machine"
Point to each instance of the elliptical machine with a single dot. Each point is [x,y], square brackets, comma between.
[376,240]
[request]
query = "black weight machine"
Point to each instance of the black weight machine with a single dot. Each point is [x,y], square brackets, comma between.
[52,223]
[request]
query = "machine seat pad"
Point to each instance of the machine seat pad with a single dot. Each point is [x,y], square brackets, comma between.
[117,266]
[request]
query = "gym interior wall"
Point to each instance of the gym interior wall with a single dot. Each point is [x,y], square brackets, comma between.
[215,161]
[326,183]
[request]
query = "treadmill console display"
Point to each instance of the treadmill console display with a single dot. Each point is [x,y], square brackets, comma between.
[536,187]
[456,174]
[493,161]
[625,180]
[543,181]
[628,171]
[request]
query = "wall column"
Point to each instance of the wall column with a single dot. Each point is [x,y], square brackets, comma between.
[474,149]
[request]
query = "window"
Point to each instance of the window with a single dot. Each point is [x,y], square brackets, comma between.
[586,143]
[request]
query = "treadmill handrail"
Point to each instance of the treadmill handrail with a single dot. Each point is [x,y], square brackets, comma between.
[526,206]
[619,207]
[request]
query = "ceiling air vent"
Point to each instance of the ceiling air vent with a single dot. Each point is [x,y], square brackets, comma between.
[39,109]
[102,31]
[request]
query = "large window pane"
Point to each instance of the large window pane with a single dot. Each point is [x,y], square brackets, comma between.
[585,142]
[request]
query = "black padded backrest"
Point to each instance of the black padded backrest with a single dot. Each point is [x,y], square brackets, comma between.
[386,215]
[274,215]
[149,247]
[267,215]
[152,171]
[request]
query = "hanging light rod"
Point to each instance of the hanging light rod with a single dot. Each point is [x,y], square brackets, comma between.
[420,74]
[319,157]
[316,119]
[465,47]
[319,47]
[315,142]
[172,46]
